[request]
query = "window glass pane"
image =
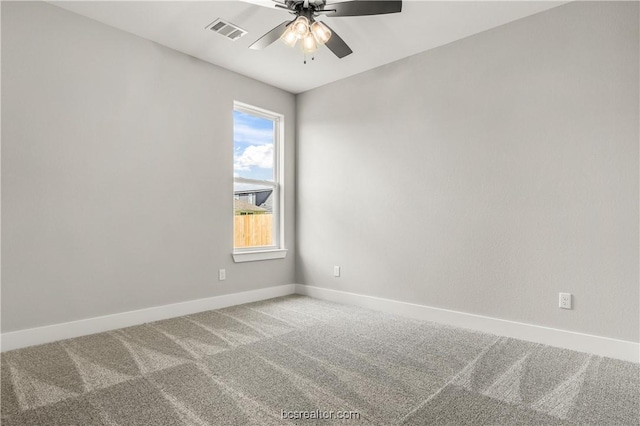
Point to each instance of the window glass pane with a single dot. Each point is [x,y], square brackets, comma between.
[253,220]
[253,146]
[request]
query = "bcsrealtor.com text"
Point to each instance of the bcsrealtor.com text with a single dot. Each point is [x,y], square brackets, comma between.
[319,415]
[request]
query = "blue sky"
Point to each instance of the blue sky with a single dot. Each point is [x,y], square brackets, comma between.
[252,146]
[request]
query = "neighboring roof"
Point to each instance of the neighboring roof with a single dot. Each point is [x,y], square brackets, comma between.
[252,191]
[243,206]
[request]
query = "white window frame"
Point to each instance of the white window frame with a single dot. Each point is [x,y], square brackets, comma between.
[277,250]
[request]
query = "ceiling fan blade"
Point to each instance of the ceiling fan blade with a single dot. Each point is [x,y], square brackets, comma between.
[270,37]
[265,3]
[360,8]
[337,45]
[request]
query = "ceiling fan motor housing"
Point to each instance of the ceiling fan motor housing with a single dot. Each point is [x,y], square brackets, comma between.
[300,4]
[304,8]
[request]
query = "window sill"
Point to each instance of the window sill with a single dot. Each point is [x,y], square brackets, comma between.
[253,256]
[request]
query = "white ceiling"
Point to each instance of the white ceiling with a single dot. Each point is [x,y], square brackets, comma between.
[375,40]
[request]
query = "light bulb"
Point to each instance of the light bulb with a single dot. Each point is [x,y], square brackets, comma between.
[289,37]
[301,27]
[321,32]
[309,44]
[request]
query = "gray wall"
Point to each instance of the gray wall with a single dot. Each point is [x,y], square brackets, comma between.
[117,171]
[484,176]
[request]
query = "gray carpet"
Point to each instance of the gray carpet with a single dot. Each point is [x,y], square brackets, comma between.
[246,364]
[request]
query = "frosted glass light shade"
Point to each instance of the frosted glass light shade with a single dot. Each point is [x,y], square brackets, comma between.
[301,27]
[289,37]
[309,44]
[321,32]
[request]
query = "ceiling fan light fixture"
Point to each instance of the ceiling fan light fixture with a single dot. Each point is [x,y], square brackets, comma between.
[309,44]
[320,32]
[304,27]
[301,27]
[289,37]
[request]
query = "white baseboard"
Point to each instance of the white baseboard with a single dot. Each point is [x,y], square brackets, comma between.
[68,330]
[603,346]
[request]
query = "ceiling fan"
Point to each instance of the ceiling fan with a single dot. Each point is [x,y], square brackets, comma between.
[312,33]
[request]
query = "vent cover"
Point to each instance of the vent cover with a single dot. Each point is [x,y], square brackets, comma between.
[227,29]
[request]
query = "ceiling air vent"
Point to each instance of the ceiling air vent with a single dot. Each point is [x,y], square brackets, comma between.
[227,29]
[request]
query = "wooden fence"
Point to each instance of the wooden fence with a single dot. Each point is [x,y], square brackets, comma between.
[253,230]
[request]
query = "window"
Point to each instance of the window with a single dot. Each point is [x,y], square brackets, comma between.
[257,173]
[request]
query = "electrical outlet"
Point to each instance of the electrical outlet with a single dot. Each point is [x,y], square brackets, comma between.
[336,271]
[222,275]
[564,300]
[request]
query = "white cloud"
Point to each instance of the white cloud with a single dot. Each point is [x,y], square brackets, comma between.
[255,155]
[246,134]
